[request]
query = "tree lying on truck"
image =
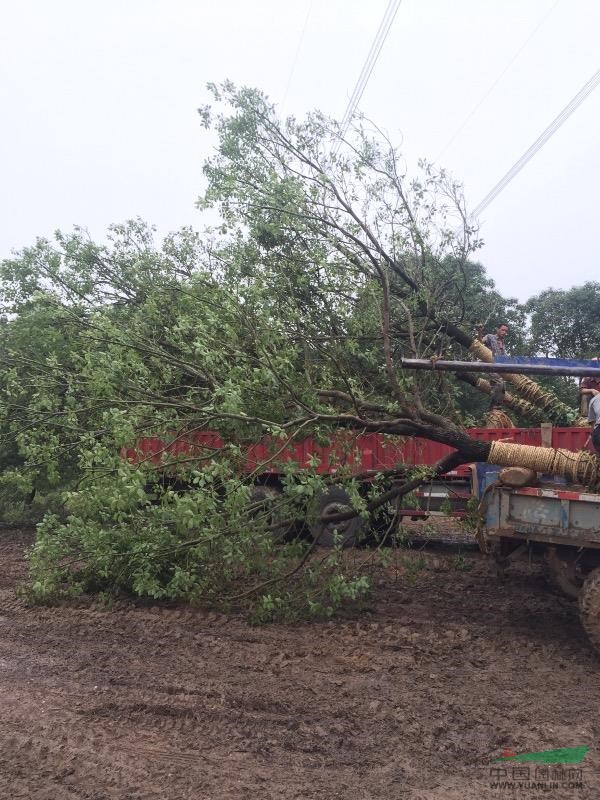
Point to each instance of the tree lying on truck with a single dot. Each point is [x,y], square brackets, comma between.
[288,319]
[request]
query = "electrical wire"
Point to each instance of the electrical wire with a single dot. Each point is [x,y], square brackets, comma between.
[370,61]
[298,49]
[365,74]
[478,105]
[556,123]
[371,56]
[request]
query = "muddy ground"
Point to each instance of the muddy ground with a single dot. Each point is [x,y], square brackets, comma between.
[413,699]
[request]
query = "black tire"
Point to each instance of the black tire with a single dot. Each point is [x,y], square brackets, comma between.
[269,497]
[589,608]
[339,534]
[561,573]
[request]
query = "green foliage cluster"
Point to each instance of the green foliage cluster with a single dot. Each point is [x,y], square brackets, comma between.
[122,536]
[105,344]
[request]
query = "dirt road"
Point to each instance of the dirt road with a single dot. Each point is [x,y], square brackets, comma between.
[413,699]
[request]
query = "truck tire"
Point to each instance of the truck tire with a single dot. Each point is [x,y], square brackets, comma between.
[269,495]
[589,607]
[562,572]
[340,534]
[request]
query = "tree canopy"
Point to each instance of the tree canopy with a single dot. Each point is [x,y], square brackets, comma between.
[566,322]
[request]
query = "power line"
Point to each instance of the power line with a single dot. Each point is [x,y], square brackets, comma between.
[478,105]
[298,49]
[556,123]
[371,60]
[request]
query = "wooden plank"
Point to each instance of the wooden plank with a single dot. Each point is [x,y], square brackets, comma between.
[546,431]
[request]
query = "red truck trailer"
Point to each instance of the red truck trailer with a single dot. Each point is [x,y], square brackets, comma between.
[357,454]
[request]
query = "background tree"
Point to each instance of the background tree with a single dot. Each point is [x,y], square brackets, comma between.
[566,322]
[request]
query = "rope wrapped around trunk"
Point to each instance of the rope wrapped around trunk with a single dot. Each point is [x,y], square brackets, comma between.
[511,401]
[498,419]
[582,467]
[544,401]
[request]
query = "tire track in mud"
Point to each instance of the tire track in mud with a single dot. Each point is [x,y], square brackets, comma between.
[412,699]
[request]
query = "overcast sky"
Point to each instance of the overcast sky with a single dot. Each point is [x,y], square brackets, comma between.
[99,104]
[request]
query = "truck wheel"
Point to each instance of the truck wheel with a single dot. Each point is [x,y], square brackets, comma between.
[268,496]
[589,607]
[562,572]
[330,534]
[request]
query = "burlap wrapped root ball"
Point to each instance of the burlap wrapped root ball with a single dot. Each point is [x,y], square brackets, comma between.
[582,467]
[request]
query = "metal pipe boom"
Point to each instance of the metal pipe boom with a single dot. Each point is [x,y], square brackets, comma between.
[483,366]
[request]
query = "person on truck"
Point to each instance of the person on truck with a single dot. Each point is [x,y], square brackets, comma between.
[495,342]
[586,386]
[594,419]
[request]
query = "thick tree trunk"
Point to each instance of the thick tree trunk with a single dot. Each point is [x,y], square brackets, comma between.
[516,404]
[549,405]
